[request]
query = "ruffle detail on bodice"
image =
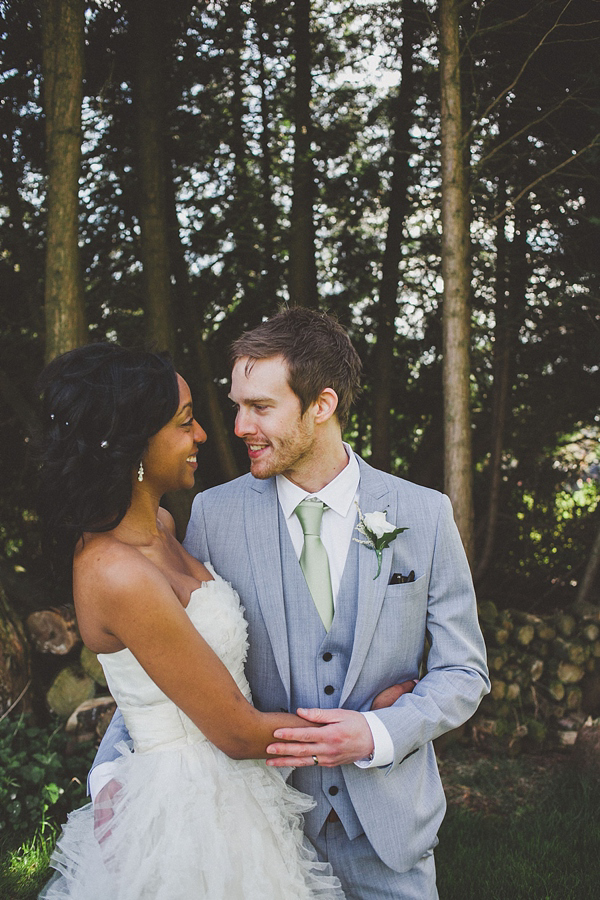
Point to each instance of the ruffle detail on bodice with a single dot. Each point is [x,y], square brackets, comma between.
[153,721]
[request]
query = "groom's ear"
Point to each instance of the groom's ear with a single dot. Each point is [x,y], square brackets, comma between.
[325,405]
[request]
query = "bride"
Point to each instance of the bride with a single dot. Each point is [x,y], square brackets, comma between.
[198,813]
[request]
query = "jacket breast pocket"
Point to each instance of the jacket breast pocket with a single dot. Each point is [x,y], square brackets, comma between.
[410,590]
[398,640]
[404,611]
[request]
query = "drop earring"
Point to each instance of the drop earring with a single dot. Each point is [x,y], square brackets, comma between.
[141,471]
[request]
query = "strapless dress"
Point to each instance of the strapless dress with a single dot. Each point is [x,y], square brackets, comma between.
[189,822]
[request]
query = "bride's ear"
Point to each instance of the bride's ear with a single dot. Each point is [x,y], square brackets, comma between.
[325,405]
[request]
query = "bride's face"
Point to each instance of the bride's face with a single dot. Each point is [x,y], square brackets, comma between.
[170,460]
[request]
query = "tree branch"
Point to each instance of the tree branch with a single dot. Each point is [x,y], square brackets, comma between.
[485,159]
[495,102]
[512,203]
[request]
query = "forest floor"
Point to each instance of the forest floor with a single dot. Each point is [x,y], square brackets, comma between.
[493,785]
[523,828]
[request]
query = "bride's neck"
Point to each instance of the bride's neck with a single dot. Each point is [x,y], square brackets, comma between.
[140,523]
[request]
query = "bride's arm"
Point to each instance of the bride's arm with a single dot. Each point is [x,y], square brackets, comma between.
[389,695]
[132,602]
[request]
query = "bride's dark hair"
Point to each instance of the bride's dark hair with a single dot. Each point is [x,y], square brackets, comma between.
[100,405]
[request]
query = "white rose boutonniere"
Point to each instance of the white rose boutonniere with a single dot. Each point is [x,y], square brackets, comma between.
[379,533]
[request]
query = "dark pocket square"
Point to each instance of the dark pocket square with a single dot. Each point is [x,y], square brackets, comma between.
[397,578]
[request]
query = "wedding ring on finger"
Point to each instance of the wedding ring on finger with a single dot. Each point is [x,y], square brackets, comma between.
[315,760]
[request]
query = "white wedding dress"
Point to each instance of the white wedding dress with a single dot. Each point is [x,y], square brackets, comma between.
[189,821]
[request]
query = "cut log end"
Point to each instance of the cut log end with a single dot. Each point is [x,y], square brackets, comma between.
[91,718]
[70,688]
[54,630]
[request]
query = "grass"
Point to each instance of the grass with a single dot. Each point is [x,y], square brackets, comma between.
[522,829]
[24,869]
[42,777]
[516,829]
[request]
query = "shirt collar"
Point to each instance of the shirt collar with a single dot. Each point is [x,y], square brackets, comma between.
[338,495]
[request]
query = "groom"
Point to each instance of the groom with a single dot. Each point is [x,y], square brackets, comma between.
[327,631]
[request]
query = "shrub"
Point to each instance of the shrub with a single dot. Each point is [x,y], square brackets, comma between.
[40,782]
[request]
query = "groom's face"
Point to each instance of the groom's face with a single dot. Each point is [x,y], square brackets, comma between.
[279,439]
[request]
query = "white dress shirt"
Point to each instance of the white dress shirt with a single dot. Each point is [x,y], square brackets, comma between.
[340,497]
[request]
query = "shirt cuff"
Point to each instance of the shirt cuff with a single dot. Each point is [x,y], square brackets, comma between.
[99,778]
[383,752]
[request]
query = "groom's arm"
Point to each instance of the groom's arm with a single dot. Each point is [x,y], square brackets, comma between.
[457,675]
[195,540]
[102,768]
[456,680]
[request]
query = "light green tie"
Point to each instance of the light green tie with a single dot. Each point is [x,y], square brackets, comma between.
[314,561]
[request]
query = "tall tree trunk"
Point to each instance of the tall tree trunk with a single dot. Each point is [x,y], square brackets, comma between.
[591,570]
[62,62]
[303,269]
[456,275]
[269,213]
[18,244]
[399,205]
[151,50]
[15,665]
[243,226]
[511,268]
[501,370]
[216,428]
[18,403]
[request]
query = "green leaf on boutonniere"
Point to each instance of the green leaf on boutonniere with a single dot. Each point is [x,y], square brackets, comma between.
[379,533]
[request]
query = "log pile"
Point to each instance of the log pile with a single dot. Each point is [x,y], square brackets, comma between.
[15,667]
[545,674]
[78,690]
[91,719]
[54,630]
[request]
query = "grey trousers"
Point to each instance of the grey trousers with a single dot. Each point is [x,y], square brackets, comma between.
[365,877]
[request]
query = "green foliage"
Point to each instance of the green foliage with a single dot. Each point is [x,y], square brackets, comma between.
[39,782]
[531,76]
[549,522]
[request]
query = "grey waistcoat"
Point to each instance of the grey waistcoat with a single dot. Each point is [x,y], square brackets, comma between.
[318,662]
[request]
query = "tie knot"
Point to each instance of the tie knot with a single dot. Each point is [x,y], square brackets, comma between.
[310,513]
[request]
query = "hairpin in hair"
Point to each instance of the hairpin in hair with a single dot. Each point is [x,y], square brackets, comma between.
[53,417]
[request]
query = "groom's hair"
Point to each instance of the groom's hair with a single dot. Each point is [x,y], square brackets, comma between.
[317,350]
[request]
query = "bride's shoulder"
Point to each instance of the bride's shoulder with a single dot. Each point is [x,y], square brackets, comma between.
[104,567]
[110,582]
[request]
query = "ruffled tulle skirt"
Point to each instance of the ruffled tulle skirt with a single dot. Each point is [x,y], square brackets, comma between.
[192,823]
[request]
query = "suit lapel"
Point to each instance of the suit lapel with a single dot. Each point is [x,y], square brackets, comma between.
[374,496]
[261,523]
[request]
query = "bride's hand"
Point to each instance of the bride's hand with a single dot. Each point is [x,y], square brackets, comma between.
[389,695]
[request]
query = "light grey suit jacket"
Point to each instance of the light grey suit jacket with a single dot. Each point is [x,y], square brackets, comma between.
[235,527]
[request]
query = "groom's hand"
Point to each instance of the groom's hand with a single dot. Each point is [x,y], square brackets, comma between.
[103,809]
[342,736]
